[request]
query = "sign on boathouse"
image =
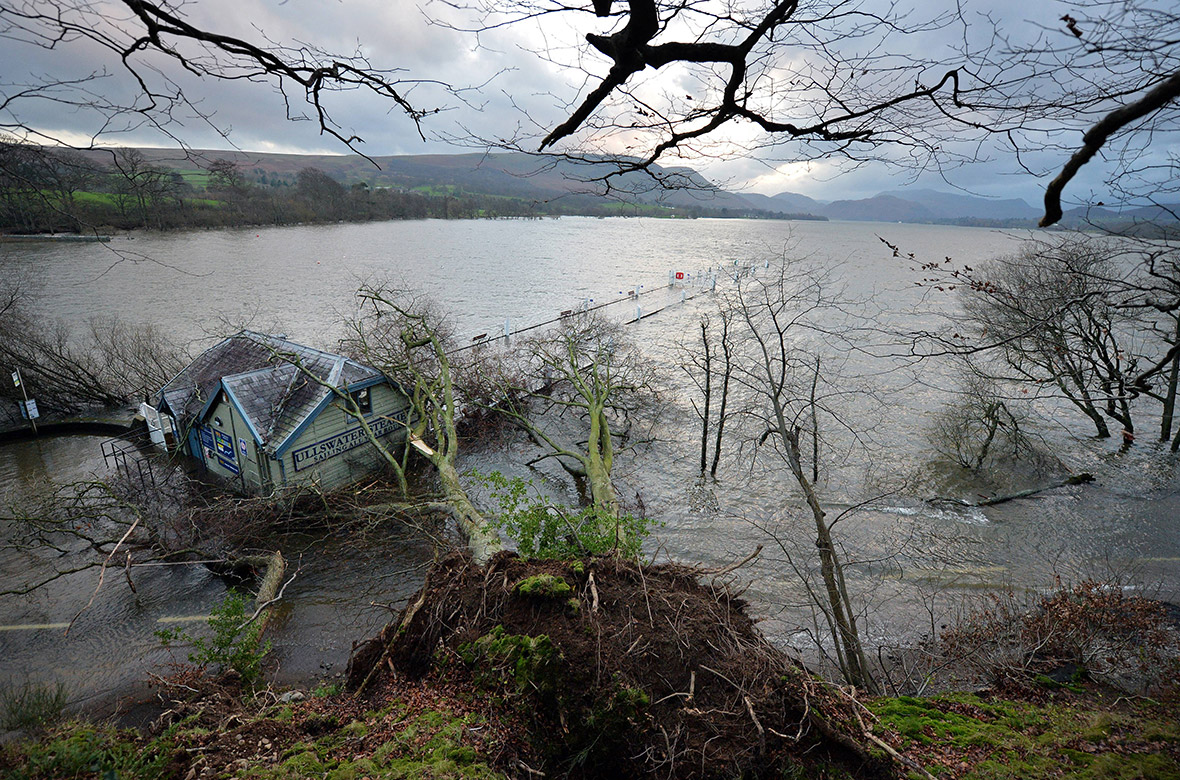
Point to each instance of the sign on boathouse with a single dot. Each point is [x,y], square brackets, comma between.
[306,457]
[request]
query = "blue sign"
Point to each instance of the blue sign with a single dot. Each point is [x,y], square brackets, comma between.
[223,445]
[228,465]
[306,457]
[206,438]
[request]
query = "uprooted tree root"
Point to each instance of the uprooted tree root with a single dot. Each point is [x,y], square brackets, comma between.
[624,670]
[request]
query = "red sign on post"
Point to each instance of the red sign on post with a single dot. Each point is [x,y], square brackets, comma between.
[680,274]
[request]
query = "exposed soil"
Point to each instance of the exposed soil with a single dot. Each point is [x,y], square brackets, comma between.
[621,669]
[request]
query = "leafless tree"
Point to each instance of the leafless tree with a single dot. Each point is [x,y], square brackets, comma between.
[1053,314]
[403,336]
[970,429]
[139,187]
[781,322]
[579,392]
[789,80]
[129,41]
[853,80]
[1108,71]
[99,523]
[110,362]
[708,361]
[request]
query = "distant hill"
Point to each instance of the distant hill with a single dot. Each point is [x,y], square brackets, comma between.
[932,207]
[545,185]
[1143,221]
[950,205]
[786,202]
[514,175]
[881,208]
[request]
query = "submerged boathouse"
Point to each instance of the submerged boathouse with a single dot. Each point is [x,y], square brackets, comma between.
[247,411]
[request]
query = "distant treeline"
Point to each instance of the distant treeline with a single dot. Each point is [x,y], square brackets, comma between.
[63,191]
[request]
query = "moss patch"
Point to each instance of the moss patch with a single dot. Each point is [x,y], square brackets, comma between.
[528,662]
[1092,736]
[543,586]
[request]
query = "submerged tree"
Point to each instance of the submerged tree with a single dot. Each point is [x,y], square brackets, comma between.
[578,391]
[979,424]
[108,362]
[1052,313]
[709,363]
[781,324]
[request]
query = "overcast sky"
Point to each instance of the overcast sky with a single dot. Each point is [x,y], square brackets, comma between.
[512,88]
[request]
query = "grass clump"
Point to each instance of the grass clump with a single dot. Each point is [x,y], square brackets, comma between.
[84,750]
[32,705]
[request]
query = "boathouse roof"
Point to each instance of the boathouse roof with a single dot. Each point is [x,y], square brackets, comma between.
[260,375]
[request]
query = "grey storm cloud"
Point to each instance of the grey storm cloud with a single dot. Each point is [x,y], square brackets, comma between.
[496,85]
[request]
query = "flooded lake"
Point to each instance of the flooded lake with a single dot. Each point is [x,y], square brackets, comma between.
[905,554]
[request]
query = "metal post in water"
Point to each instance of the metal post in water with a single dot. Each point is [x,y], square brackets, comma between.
[507,328]
[24,392]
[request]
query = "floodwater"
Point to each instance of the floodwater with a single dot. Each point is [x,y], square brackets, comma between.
[905,555]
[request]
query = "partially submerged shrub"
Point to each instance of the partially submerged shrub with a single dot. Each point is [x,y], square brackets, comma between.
[542,529]
[235,643]
[1093,628]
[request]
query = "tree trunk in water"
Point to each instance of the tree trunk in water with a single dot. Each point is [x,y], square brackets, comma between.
[708,395]
[1170,397]
[1103,432]
[599,459]
[847,639]
[602,491]
[482,539]
[1091,411]
[814,426]
[728,371]
[268,591]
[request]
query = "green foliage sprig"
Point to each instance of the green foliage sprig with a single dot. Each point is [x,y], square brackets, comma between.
[235,643]
[543,529]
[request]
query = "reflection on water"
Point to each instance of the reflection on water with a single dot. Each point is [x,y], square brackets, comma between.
[904,554]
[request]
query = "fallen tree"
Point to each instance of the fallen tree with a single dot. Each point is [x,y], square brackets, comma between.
[1076,479]
[404,338]
[624,669]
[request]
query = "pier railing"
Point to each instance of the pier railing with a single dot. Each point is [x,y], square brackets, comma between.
[632,305]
